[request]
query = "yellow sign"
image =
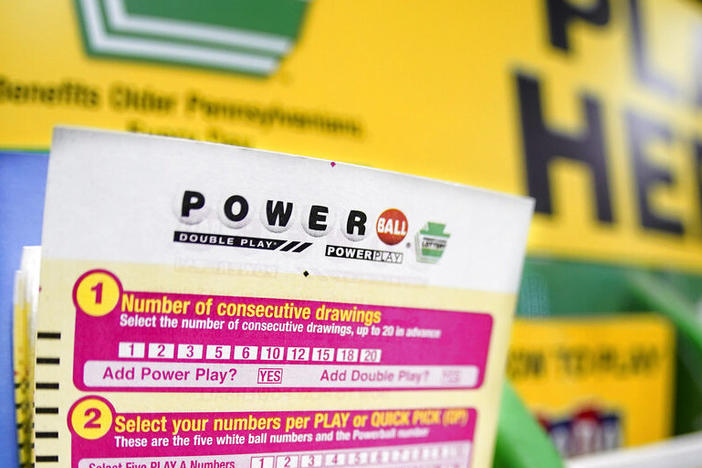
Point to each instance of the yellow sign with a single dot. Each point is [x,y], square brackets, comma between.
[590,107]
[596,384]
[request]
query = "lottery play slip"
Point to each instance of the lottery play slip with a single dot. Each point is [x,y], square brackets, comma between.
[209,306]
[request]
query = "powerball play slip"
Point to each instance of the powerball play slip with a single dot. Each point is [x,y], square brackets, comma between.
[209,306]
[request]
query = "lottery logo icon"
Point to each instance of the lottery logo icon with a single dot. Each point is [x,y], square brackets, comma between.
[431,242]
[243,37]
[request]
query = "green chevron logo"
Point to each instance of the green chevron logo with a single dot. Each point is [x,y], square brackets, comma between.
[431,242]
[244,36]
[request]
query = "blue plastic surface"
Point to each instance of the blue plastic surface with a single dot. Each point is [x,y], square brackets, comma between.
[22,187]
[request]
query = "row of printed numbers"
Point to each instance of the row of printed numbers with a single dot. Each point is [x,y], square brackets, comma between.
[246,353]
[424,454]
